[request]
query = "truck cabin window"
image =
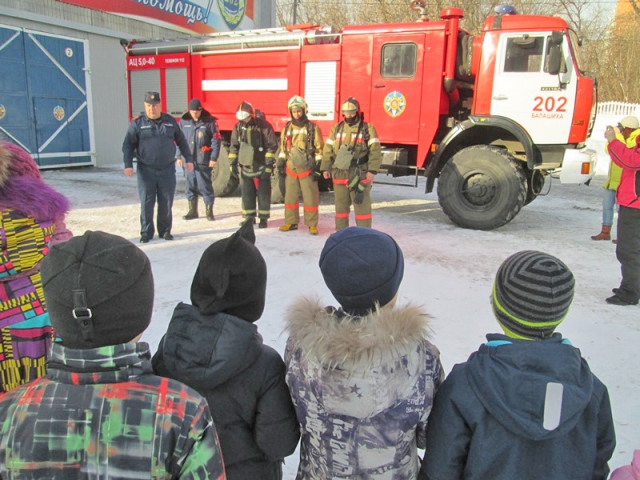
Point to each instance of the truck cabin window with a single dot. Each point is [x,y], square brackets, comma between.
[398,60]
[526,53]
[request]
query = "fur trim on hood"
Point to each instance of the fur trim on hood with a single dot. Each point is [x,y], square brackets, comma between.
[335,338]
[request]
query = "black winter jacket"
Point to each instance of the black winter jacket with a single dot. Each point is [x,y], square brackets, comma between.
[520,409]
[223,358]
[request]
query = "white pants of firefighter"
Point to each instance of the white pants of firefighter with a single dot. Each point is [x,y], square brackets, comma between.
[300,183]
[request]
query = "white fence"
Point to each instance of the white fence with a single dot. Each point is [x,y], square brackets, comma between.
[608,113]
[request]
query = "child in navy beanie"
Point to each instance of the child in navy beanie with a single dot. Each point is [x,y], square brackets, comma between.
[362,376]
[525,405]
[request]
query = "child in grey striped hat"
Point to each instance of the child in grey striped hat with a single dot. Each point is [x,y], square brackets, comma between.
[525,405]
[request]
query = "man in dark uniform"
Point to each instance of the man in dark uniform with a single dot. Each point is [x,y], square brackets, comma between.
[201,131]
[253,145]
[152,139]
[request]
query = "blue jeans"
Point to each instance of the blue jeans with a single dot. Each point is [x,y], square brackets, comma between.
[152,183]
[608,204]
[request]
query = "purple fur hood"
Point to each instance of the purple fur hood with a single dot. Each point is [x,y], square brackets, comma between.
[34,198]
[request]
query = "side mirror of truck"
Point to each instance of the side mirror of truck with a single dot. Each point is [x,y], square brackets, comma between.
[554,51]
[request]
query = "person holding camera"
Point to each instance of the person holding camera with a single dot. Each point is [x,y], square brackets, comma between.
[628,131]
[352,156]
[299,163]
[628,198]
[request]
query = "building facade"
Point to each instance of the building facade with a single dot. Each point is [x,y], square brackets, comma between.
[63,85]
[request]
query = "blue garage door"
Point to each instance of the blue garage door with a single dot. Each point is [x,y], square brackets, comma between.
[43,97]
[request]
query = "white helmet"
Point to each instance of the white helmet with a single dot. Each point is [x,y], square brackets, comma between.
[297,101]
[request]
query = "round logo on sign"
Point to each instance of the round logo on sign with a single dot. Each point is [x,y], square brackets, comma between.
[58,112]
[68,52]
[232,12]
[3,111]
[395,103]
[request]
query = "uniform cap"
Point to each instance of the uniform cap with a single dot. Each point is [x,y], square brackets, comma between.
[152,98]
[532,294]
[245,110]
[351,106]
[195,104]
[630,122]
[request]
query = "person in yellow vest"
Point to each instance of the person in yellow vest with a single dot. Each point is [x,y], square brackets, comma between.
[627,132]
[300,156]
[352,157]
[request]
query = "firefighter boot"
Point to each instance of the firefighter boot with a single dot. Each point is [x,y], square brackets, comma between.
[209,210]
[605,234]
[193,210]
[263,223]
[313,230]
[288,227]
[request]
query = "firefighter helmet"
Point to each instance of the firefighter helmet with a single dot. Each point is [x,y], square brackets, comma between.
[299,102]
[351,105]
[245,110]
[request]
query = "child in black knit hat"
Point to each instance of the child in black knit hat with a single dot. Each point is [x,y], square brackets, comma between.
[214,347]
[525,405]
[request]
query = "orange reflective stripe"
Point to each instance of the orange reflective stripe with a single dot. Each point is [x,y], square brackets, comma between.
[363,217]
[340,181]
[297,175]
[309,209]
[342,215]
[365,181]
[291,205]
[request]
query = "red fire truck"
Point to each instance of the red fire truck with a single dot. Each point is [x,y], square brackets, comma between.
[490,116]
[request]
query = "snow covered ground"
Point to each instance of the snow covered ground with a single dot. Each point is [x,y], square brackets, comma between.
[448,269]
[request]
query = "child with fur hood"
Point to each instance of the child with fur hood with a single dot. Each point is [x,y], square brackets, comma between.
[526,405]
[362,376]
[32,220]
[214,347]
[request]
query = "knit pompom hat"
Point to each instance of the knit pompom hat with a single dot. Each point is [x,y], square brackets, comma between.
[362,267]
[532,294]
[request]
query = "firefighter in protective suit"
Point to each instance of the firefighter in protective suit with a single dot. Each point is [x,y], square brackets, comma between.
[299,160]
[253,146]
[352,156]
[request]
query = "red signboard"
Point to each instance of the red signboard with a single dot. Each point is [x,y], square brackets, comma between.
[143,62]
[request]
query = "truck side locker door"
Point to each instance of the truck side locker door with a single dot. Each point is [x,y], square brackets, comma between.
[525,92]
[396,87]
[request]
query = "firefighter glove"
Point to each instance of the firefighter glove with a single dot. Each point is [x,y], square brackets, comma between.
[359,196]
[317,173]
[267,172]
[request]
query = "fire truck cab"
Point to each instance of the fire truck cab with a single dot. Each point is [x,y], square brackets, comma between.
[489,116]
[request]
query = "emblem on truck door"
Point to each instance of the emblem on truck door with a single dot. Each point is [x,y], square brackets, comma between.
[394,104]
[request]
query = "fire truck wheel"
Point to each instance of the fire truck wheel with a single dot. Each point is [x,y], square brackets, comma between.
[482,187]
[225,183]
